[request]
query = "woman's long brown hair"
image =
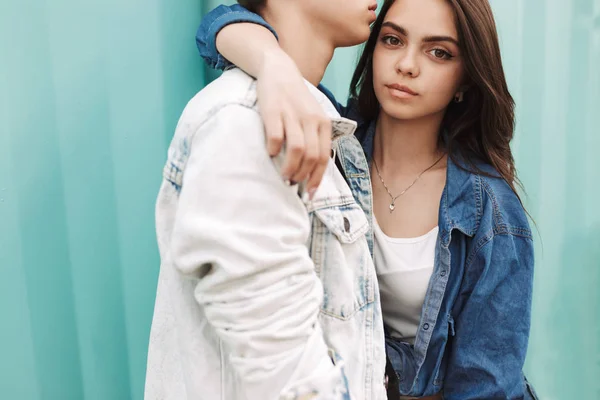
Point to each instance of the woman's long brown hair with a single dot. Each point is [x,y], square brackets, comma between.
[482,126]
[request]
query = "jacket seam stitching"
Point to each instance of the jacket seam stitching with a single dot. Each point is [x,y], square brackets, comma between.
[212,113]
[478,201]
[349,316]
[497,215]
[488,238]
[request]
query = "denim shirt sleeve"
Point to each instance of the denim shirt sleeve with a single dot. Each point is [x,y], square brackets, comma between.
[492,330]
[211,25]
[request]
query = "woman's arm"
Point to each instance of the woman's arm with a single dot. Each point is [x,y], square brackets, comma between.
[211,25]
[488,350]
[289,111]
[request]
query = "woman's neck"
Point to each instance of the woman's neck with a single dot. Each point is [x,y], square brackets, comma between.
[406,146]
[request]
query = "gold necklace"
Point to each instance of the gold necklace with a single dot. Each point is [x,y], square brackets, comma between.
[393,203]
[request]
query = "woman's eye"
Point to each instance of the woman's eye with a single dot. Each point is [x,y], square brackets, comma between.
[441,54]
[391,41]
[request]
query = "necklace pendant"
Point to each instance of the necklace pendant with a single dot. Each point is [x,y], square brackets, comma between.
[392,207]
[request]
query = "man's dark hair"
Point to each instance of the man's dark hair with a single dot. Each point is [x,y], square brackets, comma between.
[253,5]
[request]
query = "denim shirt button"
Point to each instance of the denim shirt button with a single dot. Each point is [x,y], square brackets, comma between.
[443,273]
[426,326]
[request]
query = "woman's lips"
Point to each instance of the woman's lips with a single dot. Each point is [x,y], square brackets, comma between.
[401,91]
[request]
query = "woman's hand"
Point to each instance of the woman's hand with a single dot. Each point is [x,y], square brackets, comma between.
[293,120]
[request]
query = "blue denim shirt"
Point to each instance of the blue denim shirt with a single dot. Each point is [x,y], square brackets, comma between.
[474,329]
[472,338]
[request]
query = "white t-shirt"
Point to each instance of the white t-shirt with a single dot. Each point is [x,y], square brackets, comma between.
[404,267]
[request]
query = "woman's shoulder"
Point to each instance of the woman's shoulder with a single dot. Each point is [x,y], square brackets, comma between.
[498,208]
[501,207]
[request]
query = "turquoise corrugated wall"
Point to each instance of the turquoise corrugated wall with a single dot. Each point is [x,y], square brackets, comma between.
[90,92]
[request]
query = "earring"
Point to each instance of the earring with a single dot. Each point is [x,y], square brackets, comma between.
[459,97]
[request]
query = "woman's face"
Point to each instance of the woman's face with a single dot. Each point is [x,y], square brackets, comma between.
[417,65]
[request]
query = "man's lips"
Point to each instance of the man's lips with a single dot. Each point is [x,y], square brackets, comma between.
[372,12]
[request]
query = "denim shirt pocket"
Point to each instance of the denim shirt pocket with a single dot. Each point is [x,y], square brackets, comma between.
[340,252]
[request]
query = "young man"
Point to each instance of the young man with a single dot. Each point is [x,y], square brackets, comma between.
[265,291]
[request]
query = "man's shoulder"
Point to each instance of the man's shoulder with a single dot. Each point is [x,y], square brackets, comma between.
[233,89]
[234,86]
[221,123]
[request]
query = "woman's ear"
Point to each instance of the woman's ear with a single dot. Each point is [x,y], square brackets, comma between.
[460,94]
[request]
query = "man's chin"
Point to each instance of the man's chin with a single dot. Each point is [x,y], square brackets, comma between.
[356,39]
[365,34]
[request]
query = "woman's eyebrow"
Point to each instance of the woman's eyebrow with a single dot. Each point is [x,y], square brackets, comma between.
[428,39]
[395,27]
[440,38]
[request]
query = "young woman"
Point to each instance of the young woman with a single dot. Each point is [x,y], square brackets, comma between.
[450,238]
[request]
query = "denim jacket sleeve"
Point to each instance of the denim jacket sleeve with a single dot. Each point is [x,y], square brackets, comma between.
[211,25]
[259,292]
[491,331]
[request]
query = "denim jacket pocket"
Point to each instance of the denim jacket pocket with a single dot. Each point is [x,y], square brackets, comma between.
[338,250]
[347,222]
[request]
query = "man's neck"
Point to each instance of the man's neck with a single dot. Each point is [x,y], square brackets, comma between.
[311,52]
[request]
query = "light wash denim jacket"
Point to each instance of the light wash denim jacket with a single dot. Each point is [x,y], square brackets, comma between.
[262,293]
[472,338]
